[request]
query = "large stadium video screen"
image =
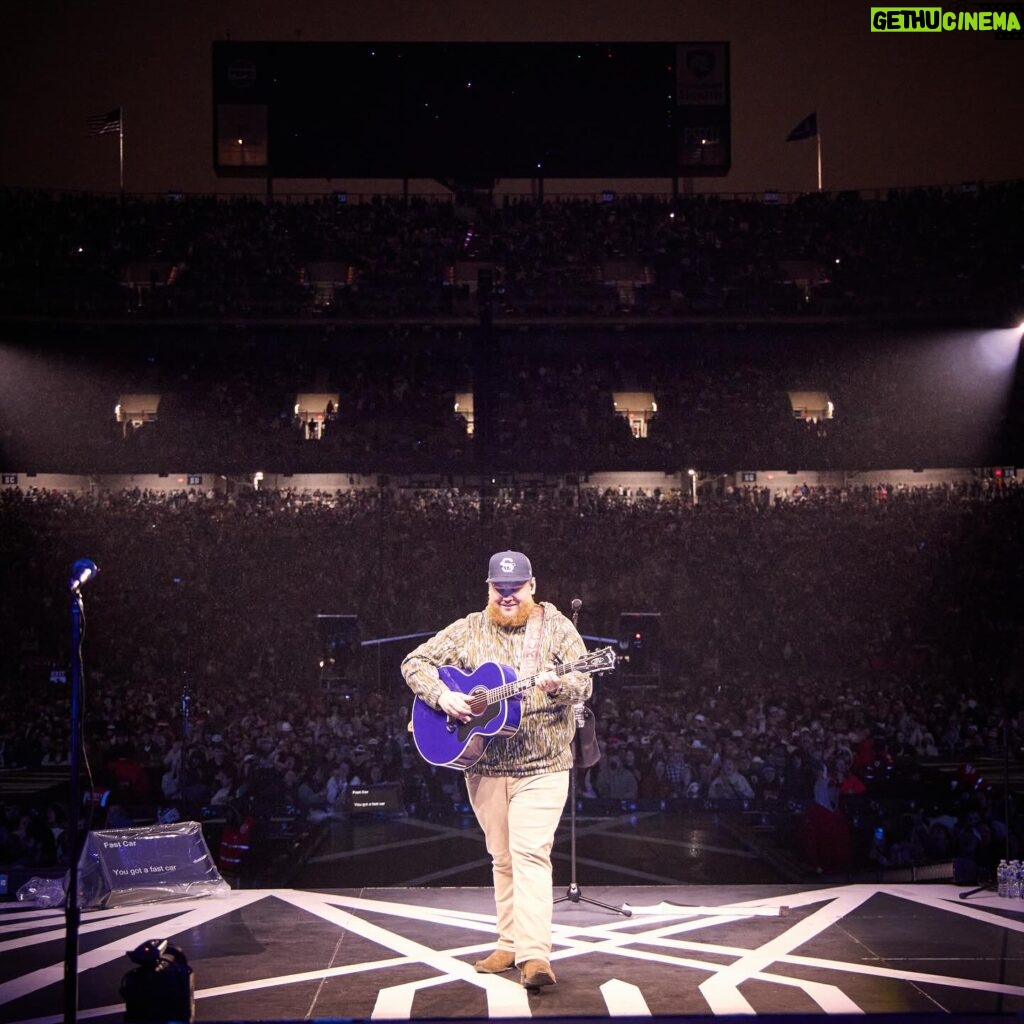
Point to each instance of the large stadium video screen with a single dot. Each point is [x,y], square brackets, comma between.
[470,110]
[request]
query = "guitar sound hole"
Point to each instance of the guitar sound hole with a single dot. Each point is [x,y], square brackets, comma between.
[477,701]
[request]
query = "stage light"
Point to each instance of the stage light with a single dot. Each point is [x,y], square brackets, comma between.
[638,640]
[161,988]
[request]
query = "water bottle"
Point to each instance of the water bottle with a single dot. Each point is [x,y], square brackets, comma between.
[1002,878]
[1013,879]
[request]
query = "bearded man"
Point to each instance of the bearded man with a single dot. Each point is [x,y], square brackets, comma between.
[518,787]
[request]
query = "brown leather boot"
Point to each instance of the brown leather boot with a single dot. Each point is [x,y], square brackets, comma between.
[536,973]
[499,961]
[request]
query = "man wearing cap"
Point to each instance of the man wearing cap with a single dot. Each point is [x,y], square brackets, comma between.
[519,785]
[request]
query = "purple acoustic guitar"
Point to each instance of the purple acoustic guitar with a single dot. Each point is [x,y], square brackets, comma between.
[490,690]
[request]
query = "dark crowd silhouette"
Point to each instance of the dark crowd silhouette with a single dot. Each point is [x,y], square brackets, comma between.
[923,250]
[836,664]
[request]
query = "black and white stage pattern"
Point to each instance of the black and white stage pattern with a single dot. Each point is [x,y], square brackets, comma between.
[407,954]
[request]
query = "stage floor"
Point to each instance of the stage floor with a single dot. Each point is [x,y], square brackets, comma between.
[407,953]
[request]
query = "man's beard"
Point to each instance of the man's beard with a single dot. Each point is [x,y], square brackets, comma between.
[518,618]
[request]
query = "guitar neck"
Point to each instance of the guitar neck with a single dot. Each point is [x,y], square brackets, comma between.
[507,690]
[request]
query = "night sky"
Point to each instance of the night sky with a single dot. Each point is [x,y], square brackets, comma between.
[894,110]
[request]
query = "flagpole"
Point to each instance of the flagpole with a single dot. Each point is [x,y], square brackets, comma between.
[804,130]
[817,138]
[121,152]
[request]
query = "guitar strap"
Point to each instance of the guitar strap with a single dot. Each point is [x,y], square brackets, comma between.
[586,750]
[530,661]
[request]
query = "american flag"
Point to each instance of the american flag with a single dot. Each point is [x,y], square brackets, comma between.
[104,124]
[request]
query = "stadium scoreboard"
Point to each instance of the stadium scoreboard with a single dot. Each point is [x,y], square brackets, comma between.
[468,111]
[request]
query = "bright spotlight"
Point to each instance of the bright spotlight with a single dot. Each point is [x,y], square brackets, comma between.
[998,350]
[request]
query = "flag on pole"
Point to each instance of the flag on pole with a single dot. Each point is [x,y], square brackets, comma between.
[806,129]
[105,124]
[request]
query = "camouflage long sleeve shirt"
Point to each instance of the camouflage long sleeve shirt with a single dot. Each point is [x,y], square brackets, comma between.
[543,742]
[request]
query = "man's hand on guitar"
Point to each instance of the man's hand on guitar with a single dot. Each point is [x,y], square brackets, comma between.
[455,705]
[548,681]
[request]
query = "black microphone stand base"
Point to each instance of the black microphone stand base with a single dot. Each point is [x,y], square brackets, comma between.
[573,895]
[974,892]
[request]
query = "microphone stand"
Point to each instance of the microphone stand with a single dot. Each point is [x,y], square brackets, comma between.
[80,572]
[574,894]
[994,886]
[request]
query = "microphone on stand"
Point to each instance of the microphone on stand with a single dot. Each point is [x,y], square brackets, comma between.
[81,572]
[577,708]
[585,754]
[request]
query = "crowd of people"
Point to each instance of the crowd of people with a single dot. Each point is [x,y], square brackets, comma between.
[814,654]
[909,251]
[810,652]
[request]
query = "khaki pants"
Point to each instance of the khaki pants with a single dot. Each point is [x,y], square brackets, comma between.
[519,818]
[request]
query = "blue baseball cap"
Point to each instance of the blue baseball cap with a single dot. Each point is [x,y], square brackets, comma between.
[509,567]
